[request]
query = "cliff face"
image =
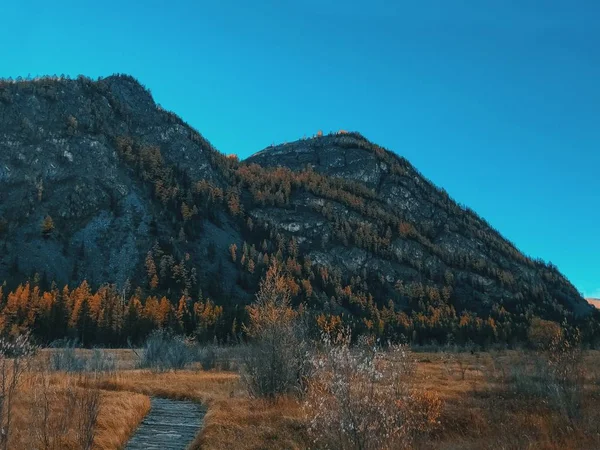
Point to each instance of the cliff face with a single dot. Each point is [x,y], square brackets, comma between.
[129,186]
[442,238]
[58,159]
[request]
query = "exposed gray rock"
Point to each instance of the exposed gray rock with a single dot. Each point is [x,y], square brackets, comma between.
[58,157]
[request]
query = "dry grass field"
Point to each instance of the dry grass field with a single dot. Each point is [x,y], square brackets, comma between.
[481,408]
[48,417]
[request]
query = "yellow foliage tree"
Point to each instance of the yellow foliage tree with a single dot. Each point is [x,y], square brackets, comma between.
[543,333]
[272,307]
[47,227]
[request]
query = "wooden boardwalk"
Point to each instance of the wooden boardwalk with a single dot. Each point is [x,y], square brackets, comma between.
[170,425]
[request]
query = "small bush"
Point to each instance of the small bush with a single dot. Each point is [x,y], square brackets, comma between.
[88,402]
[555,376]
[164,351]
[101,362]
[276,363]
[231,357]
[15,357]
[364,398]
[207,356]
[64,357]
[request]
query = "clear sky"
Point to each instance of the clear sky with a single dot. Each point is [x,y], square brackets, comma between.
[497,101]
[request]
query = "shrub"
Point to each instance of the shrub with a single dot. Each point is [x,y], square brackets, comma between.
[555,376]
[71,125]
[222,357]
[207,356]
[363,398]
[87,402]
[276,361]
[15,356]
[543,333]
[64,357]
[163,351]
[65,415]
[101,362]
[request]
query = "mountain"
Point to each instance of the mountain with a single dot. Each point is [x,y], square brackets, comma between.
[99,183]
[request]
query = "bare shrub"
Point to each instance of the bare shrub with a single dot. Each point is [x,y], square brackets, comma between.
[555,375]
[87,401]
[64,413]
[15,357]
[221,357]
[455,367]
[64,357]
[276,361]
[567,376]
[67,357]
[42,410]
[363,398]
[207,356]
[164,351]
[53,411]
[101,361]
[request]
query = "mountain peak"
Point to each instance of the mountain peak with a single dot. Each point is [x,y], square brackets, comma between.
[134,193]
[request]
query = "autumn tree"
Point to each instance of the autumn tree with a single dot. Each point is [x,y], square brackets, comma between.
[47,227]
[277,361]
[272,307]
[151,271]
[542,333]
[233,202]
[233,252]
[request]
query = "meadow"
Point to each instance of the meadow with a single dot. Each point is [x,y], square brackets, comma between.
[504,399]
[283,387]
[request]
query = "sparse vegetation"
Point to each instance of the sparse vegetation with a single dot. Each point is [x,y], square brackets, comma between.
[15,356]
[404,399]
[164,351]
[65,357]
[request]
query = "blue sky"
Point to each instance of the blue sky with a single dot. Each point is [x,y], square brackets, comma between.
[496,101]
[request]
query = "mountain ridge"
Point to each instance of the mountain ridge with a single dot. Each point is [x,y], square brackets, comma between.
[135,193]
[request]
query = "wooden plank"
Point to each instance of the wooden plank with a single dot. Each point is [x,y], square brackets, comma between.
[170,425]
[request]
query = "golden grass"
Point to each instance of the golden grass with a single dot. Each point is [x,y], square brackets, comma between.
[120,414]
[477,413]
[233,419]
[480,414]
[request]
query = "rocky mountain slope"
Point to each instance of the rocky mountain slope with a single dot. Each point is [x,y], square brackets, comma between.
[99,183]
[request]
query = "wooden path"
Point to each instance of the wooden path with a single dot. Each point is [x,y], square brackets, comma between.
[170,425]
